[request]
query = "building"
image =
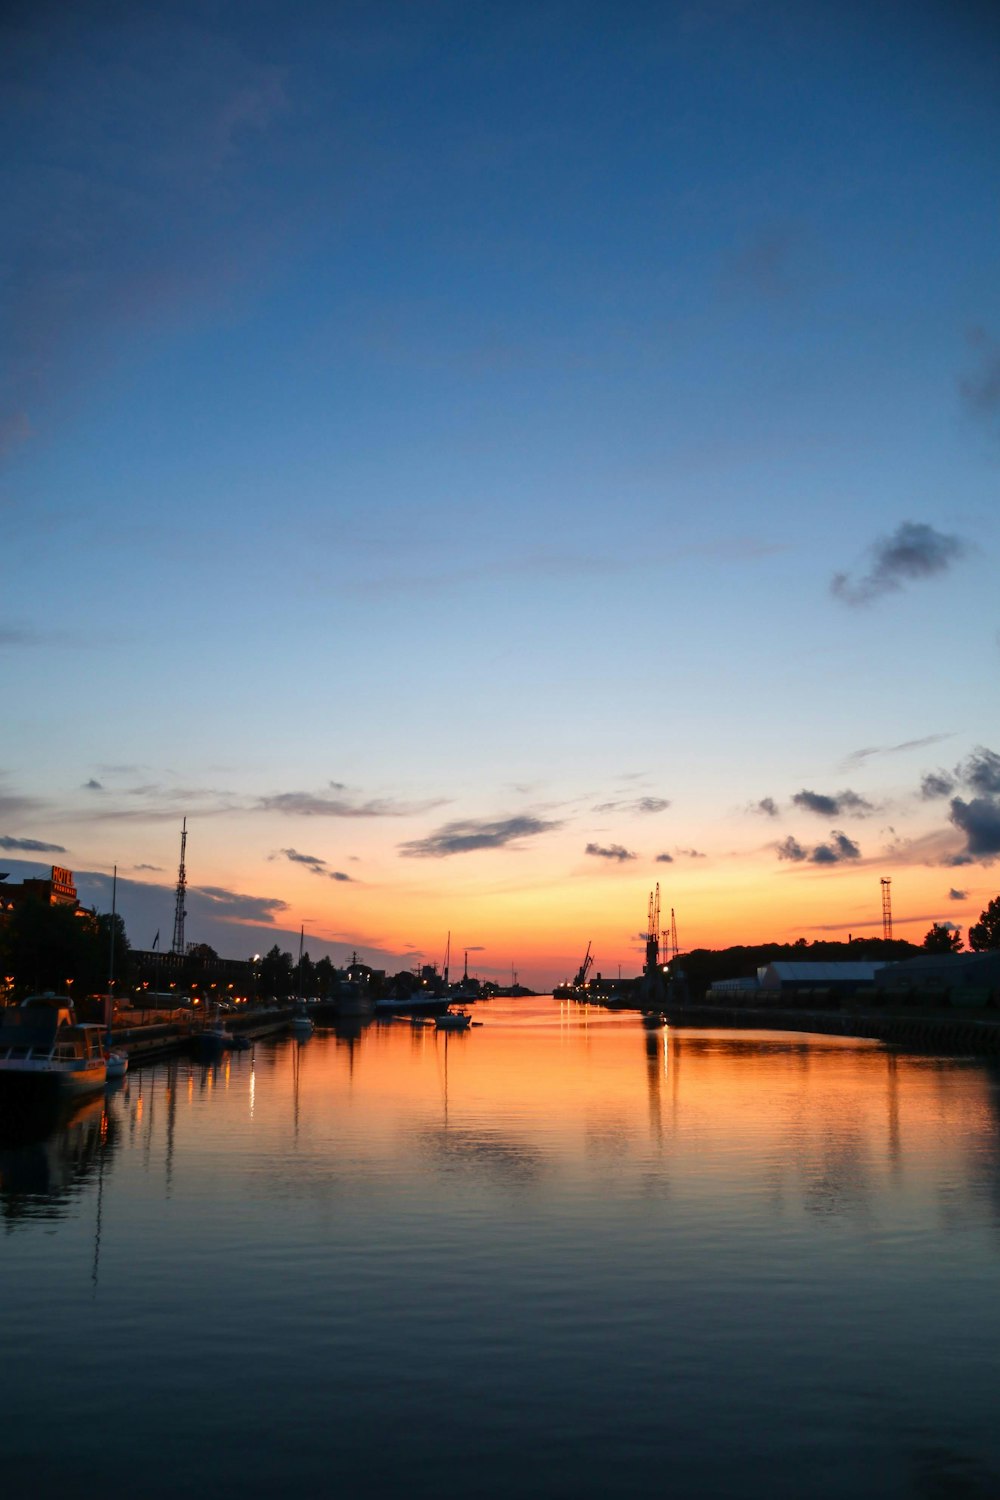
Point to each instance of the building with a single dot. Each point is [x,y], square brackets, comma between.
[780,982]
[57,890]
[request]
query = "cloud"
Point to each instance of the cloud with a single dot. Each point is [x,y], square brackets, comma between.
[838,849]
[692,853]
[610,851]
[232,906]
[981,771]
[310,804]
[954,895]
[31,846]
[92,786]
[465,836]
[914,551]
[296,858]
[857,756]
[979,820]
[936,784]
[833,807]
[981,390]
[157,868]
[664,859]
[639,805]
[767,806]
[313,864]
[17,635]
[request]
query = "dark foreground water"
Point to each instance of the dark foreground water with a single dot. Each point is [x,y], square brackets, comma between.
[555,1256]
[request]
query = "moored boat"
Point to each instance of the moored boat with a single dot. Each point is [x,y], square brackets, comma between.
[453,1020]
[43,1049]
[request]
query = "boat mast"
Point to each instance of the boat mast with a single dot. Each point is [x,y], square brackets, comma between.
[109,1004]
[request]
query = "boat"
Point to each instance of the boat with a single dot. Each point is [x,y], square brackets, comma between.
[45,1050]
[453,1020]
[653,1020]
[212,1040]
[301,1024]
[115,1059]
[116,1063]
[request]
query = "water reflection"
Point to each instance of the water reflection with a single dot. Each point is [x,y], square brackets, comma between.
[611,1254]
[50,1154]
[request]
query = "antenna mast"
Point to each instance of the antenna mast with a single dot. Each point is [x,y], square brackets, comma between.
[179,912]
[886,908]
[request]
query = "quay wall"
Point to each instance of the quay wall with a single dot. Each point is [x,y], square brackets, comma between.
[917,1031]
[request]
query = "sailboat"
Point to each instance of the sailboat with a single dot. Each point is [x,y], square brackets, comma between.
[115,1059]
[301,1024]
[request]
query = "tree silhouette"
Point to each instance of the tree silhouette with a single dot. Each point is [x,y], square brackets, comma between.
[984,935]
[942,939]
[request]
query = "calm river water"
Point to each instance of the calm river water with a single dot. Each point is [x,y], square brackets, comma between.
[558,1255]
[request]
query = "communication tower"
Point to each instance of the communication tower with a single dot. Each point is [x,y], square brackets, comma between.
[179,913]
[886,908]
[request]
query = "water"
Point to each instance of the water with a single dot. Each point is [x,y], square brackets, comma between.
[555,1256]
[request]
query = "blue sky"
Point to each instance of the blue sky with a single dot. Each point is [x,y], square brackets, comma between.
[472,406]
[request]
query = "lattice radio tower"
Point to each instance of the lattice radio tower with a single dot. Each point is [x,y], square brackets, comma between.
[179,913]
[886,908]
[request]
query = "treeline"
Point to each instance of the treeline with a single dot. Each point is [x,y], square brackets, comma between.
[57,948]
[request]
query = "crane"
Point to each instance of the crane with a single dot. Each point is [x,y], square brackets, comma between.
[584,969]
[653,932]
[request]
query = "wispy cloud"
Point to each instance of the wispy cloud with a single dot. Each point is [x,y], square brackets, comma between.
[857,757]
[936,784]
[30,846]
[468,835]
[837,806]
[92,785]
[981,389]
[955,895]
[321,805]
[19,635]
[664,859]
[914,551]
[233,906]
[313,863]
[636,805]
[766,806]
[616,852]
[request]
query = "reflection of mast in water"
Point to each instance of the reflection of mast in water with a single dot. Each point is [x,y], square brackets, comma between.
[895,1139]
[296,1054]
[171,1121]
[100,1195]
[654,1040]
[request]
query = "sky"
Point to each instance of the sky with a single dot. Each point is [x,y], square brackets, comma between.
[476,462]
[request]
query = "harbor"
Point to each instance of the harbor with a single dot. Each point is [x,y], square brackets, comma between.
[562,1220]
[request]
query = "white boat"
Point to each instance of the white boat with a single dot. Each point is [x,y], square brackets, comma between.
[453,1020]
[116,1063]
[301,1024]
[44,1049]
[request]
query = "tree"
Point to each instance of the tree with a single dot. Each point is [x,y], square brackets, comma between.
[943,939]
[984,935]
